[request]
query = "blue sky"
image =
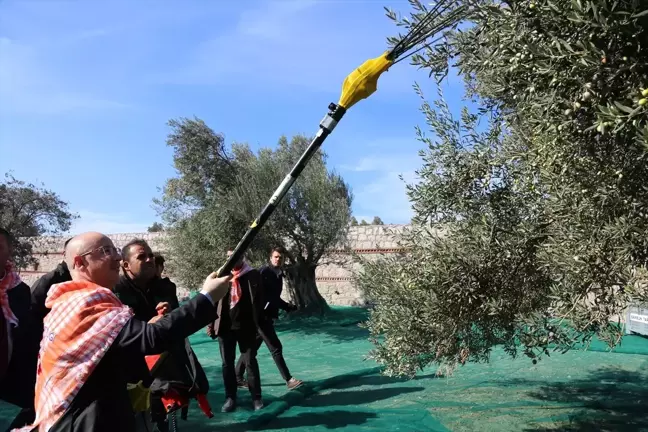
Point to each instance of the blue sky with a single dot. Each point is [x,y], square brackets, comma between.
[86,89]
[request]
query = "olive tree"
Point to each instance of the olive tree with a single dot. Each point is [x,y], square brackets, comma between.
[529,228]
[29,210]
[220,190]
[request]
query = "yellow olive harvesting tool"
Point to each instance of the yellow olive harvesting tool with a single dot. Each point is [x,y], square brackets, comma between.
[358,85]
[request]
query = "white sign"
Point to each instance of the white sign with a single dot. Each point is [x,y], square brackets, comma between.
[639,318]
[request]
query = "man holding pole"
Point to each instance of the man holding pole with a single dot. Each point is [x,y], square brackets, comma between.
[238,315]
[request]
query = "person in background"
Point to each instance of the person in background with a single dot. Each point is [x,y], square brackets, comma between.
[41,287]
[91,339]
[139,288]
[165,289]
[19,338]
[238,314]
[272,277]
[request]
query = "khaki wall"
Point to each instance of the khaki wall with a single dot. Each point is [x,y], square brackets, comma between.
[333,275]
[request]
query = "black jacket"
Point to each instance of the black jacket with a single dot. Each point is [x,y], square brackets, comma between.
[103,403]
[20,378]
[251,281]
[41,287]
[272,288]
[181,365]
[142,301]
[165,290]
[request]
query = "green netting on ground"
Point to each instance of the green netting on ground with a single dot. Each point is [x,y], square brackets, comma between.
[593,390]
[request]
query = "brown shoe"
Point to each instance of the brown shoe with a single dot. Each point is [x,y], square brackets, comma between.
[293,383]
[241,383]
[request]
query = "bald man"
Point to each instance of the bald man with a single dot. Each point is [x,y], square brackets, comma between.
[90,338]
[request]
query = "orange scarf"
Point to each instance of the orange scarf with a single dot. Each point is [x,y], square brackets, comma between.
[84,321]
[10,281]
[235,293]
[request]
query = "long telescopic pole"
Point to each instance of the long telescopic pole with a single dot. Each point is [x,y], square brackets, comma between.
[358,85]
[336,112]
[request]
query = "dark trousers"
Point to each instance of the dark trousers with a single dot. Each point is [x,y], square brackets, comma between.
[158,414]
[266,333]
[248,348]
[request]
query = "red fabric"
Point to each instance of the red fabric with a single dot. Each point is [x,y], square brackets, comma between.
[235,292]
[84,321]
[173,400]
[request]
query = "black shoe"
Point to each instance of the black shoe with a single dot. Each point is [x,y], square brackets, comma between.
[241,383]
[229,405]
[258,404]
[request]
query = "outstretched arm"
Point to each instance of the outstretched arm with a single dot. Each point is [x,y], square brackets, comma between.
[139,337]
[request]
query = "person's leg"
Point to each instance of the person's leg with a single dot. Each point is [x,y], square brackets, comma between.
[247,345]
[158,414]
[240,370]
[240,365]
[143,422]
[269,336]
[228,355]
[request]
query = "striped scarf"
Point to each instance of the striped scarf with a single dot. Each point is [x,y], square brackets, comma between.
[10,281]
[84,321]
[235,293]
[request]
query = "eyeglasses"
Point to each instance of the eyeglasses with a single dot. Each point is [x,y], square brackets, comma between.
[105,251]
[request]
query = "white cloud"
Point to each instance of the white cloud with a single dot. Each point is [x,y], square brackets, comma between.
[386,197]
[308,44]
[272,19]
[385,163]
[28,85]
[107,223]
[384,194]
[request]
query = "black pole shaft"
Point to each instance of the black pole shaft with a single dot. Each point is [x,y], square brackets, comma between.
[336,112]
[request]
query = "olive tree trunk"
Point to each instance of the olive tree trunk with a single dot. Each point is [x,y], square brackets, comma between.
[300,280]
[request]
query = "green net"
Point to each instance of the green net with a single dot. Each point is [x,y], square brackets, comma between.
[580,390]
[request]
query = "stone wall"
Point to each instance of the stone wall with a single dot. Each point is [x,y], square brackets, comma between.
[334,275]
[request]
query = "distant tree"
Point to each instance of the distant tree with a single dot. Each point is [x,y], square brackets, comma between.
[156,227]
[27,210]
[219,192]
[363,222]
[377,221]
[354,221]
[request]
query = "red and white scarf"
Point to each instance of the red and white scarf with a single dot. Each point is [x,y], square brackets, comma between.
[10,281]
[235,293]
[84,321]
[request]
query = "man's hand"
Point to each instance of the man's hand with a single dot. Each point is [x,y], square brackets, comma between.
[210,331]
[216,287]
[162,308]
